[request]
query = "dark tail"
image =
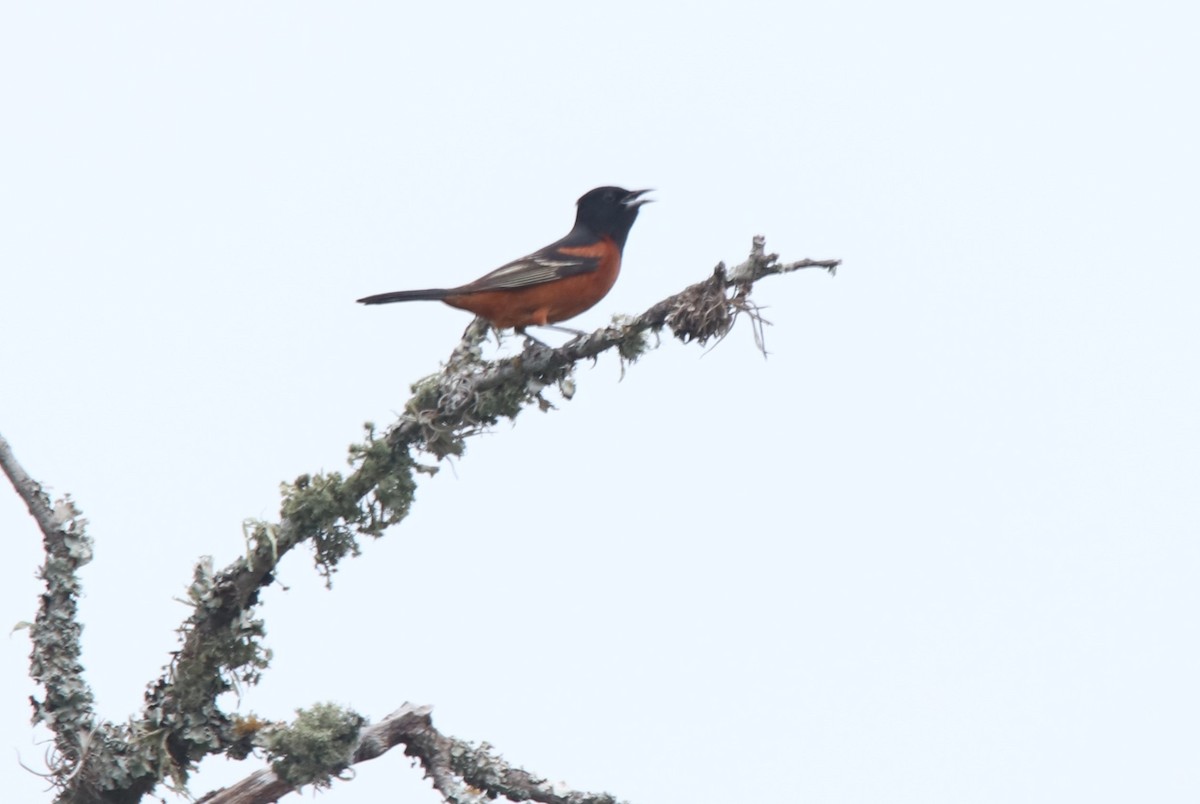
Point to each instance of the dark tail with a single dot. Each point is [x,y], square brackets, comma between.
[430,294]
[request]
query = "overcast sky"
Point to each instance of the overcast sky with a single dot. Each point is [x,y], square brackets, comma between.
[942,546]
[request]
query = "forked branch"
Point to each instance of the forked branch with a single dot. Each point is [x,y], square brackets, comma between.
[221,645]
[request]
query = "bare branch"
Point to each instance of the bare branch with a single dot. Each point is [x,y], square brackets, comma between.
[31,492]
[760,264]
[459,771]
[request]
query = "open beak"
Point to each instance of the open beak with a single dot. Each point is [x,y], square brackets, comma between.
[633,200]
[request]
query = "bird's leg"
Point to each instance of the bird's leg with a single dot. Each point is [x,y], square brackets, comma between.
[578,333]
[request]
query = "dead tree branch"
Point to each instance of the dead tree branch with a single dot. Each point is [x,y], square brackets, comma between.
[461,772]
[221,645]
[67,707]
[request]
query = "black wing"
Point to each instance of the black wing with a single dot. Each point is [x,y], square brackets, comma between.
[542,266]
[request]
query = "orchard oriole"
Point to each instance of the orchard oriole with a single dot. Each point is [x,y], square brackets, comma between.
[554,283]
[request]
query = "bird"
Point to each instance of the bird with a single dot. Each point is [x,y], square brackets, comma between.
[554,283]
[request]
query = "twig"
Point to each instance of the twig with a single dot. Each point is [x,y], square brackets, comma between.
[31,492]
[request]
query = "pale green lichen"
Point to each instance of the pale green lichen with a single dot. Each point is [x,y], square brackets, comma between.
[316,748]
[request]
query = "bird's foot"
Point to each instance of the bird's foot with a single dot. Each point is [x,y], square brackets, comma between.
[530,340]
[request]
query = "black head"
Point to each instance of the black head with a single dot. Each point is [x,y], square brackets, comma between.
[610,211]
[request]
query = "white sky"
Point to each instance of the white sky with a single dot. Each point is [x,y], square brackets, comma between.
[940,547]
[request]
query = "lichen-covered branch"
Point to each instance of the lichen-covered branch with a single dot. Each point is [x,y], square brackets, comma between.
[66,707]
[221,645]
[463,773]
